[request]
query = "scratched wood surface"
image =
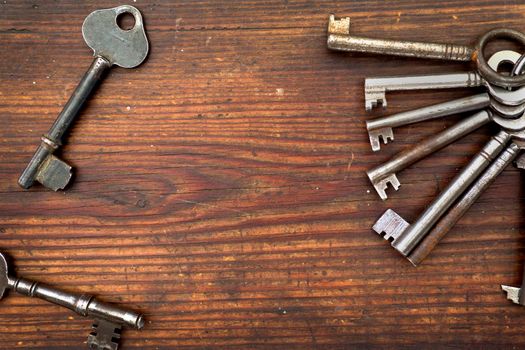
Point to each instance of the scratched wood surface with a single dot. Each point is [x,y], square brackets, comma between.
[220,188]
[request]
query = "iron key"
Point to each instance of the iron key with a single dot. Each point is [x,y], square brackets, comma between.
[340,39]
[82,304]
[111,46]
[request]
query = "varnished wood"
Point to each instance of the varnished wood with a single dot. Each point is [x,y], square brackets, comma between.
[220,188]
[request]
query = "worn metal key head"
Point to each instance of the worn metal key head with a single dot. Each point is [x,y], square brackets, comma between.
[124,48]
[4,276]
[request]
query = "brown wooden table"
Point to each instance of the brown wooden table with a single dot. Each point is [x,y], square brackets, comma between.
[220,188]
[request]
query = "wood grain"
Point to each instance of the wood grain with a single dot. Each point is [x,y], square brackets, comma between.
[220,188]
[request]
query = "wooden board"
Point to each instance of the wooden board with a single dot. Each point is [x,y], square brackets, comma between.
[220,188]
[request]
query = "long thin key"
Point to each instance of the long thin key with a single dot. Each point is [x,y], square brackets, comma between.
[408,239]
[382,127]
[82,304]
[376,87]
[459,209]
[111,46]
[339,38]
[384,174]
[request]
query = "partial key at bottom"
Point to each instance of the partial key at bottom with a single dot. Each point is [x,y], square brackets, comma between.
[109,318]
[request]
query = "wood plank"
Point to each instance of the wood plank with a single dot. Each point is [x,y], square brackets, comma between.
[220,188]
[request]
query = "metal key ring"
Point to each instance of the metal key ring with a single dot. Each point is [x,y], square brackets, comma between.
[518,66]
[485,70]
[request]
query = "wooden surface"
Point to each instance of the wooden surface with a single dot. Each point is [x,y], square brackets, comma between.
[220,188]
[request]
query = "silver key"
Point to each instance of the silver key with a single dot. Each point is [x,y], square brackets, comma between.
[111,46]
[405,241]
[382,127]
[376,87]
[385,174]
[82,304]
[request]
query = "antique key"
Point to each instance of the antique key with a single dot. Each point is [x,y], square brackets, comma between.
[108,318]
[377,87]
[112,46]
[339,38]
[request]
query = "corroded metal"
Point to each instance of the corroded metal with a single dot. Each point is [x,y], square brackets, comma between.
[83,304]
[111,46]
[339,38]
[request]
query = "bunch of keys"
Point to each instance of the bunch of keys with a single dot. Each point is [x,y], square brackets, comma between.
[503,103]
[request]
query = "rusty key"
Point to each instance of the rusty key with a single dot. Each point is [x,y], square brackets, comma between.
[112,45]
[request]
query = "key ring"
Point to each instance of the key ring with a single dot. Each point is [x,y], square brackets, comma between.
[485,70]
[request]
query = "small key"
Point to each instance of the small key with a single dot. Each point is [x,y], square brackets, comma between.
[112,46]
[382,127]
[376,87]
[82,304]
[405,241]
[459,209]
[385,174]
[339,38]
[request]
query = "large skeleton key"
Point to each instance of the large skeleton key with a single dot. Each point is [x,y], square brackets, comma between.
[112,46]
[339,38]
[108,318]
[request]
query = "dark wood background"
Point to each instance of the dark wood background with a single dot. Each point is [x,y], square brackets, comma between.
[220,188]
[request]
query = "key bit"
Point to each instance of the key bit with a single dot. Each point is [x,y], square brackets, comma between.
[105,335]
[384,174]
[391,225]
[111,46]
[513,293]
[387,134]
[108,318]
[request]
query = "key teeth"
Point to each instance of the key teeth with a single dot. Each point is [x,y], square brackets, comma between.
[105,335]
[374,99]
[391,224]
[520,162]
[338,25]
[382,185]
[513,293]
[387,134]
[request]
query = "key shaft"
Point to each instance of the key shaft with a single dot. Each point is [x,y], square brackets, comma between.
[339,38]
[408,240]
[53,139]
[82,304]
[459,209]
[383,126]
